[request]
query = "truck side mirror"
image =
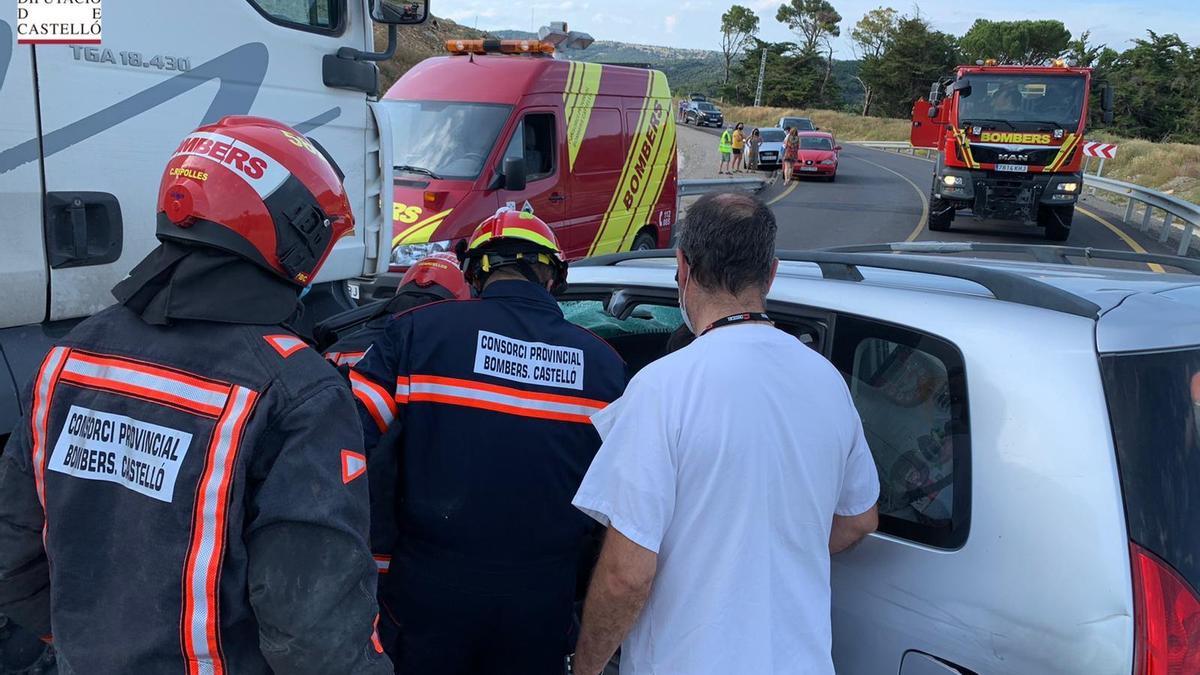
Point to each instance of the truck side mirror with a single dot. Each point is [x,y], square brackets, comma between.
[514,174]
[1106,99]
[404,13]
[962,86]
[933,112]
[1107,116]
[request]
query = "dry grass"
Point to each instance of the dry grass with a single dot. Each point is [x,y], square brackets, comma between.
[1172,168]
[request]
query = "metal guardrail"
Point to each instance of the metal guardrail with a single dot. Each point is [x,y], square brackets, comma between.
[1175,216]
[699,186]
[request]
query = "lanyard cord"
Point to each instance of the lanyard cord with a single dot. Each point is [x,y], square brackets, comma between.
[737,318]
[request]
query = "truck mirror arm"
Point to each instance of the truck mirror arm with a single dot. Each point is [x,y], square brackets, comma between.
[352,54]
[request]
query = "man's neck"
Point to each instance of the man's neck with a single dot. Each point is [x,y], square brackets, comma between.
[711,307]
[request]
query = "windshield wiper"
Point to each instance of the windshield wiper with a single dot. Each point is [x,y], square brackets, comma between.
[417,169]
[982,121]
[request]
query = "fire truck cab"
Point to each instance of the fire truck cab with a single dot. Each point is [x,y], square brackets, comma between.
[590,148]
[1008,140]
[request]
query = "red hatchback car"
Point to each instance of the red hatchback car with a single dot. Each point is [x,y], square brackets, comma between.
[817,156]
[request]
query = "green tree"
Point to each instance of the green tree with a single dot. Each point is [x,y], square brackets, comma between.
[872,36]
[1099,58]
[1015,42]
[739,25]
[1157,89]
[792,79]
[813,21]
[914,58]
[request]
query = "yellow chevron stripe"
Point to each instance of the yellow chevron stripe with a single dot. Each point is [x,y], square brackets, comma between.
[570,83]
[964,143]
[420,236]
[579,108]
[1063,153]
[660,163]
[644,171]
[406,235]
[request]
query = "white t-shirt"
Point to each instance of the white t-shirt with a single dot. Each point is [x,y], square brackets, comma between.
[729,459]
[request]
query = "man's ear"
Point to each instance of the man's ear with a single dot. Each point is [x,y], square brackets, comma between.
[682,270]
[771,279]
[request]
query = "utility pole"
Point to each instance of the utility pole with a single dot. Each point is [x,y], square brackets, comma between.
[762,69]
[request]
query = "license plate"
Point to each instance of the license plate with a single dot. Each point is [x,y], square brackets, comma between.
[1013,168]
[808,168]
[768,155]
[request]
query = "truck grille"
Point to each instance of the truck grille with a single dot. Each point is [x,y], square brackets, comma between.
[1037,157]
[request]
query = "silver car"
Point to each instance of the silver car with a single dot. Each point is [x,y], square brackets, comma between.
[770,152]
[1036,426]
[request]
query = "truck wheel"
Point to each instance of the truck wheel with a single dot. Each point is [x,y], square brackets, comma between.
[644,242]
[940,215]
[1056,220]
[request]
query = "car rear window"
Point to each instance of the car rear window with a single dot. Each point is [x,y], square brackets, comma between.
[1154,405]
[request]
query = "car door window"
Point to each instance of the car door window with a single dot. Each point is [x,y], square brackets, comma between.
[534,140]
[319,16]
[910,390]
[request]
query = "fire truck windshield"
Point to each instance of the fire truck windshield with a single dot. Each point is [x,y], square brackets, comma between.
[1022,102]
[444,139]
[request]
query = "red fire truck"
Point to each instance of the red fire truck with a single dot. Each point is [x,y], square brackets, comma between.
[1009,143]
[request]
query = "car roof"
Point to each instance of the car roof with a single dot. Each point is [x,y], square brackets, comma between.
[815,134]
[1134,309]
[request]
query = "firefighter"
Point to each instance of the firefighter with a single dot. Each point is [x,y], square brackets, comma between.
[186,493]
[433,278]
[485,406]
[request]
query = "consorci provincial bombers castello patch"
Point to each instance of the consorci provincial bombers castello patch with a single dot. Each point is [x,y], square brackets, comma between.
[529,362]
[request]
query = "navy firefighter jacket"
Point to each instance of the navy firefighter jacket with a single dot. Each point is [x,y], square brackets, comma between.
[484,404]
[189,499]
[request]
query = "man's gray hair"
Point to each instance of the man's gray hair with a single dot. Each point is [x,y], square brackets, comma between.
[728,240]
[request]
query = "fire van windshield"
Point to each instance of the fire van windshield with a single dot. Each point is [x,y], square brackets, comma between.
[444,139]
[1022,102]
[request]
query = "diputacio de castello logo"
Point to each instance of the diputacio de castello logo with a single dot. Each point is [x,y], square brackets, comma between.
[58,22]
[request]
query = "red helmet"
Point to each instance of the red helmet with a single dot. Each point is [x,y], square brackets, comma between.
[437,274]
[512,237]
[258,189]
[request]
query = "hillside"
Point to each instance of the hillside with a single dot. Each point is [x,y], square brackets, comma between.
[415,44]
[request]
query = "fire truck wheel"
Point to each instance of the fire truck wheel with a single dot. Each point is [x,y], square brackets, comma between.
[1057,221]
[644,242]
[940,215]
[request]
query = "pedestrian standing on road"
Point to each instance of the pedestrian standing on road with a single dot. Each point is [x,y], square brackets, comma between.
[752,145]
[683,111]
[791,150]
[725,148]
[730,471]
[192,468]
[739,145]
[484,407]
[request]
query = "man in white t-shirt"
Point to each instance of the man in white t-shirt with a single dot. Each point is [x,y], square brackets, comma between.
[730,470]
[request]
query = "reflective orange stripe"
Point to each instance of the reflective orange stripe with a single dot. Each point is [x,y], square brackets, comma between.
[345,358]
[146,381]
[402,390]
[200,626]
[507,400]
[383,563]
[43,392]
[374,398]
[286,345]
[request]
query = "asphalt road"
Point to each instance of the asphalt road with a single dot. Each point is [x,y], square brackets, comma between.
[881,196]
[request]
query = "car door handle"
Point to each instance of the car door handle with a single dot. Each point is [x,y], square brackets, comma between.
[558,197]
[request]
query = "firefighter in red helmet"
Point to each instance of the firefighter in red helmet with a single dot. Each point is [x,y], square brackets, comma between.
[186,491]
[484,407]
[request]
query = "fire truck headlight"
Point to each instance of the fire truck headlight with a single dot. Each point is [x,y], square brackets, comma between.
[1068,187]
[408,254]
[952,181]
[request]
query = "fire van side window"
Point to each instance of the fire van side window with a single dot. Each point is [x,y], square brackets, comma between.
[910,391]
[316,16]
[534,140]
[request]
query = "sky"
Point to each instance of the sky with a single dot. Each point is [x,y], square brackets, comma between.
[696,23]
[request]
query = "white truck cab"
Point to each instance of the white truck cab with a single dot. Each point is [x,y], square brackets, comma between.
[87,129]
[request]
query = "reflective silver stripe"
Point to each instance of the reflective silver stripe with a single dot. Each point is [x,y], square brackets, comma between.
[210,511]
[369,396]
[383,564]
[39,418]
[402,390]
[142,380]
[502,399]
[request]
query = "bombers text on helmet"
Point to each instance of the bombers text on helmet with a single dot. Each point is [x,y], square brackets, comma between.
[258,189]
[513,238]
[437,274]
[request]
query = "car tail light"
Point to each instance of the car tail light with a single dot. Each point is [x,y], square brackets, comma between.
[1166,618]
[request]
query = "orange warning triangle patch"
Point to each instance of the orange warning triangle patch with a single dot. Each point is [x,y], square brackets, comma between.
[354,464]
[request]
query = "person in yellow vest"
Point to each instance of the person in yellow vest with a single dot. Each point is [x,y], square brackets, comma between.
[725,147]
[739,144]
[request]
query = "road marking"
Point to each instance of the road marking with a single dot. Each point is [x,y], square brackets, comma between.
[1129,241]
[787,191]
[920,193]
